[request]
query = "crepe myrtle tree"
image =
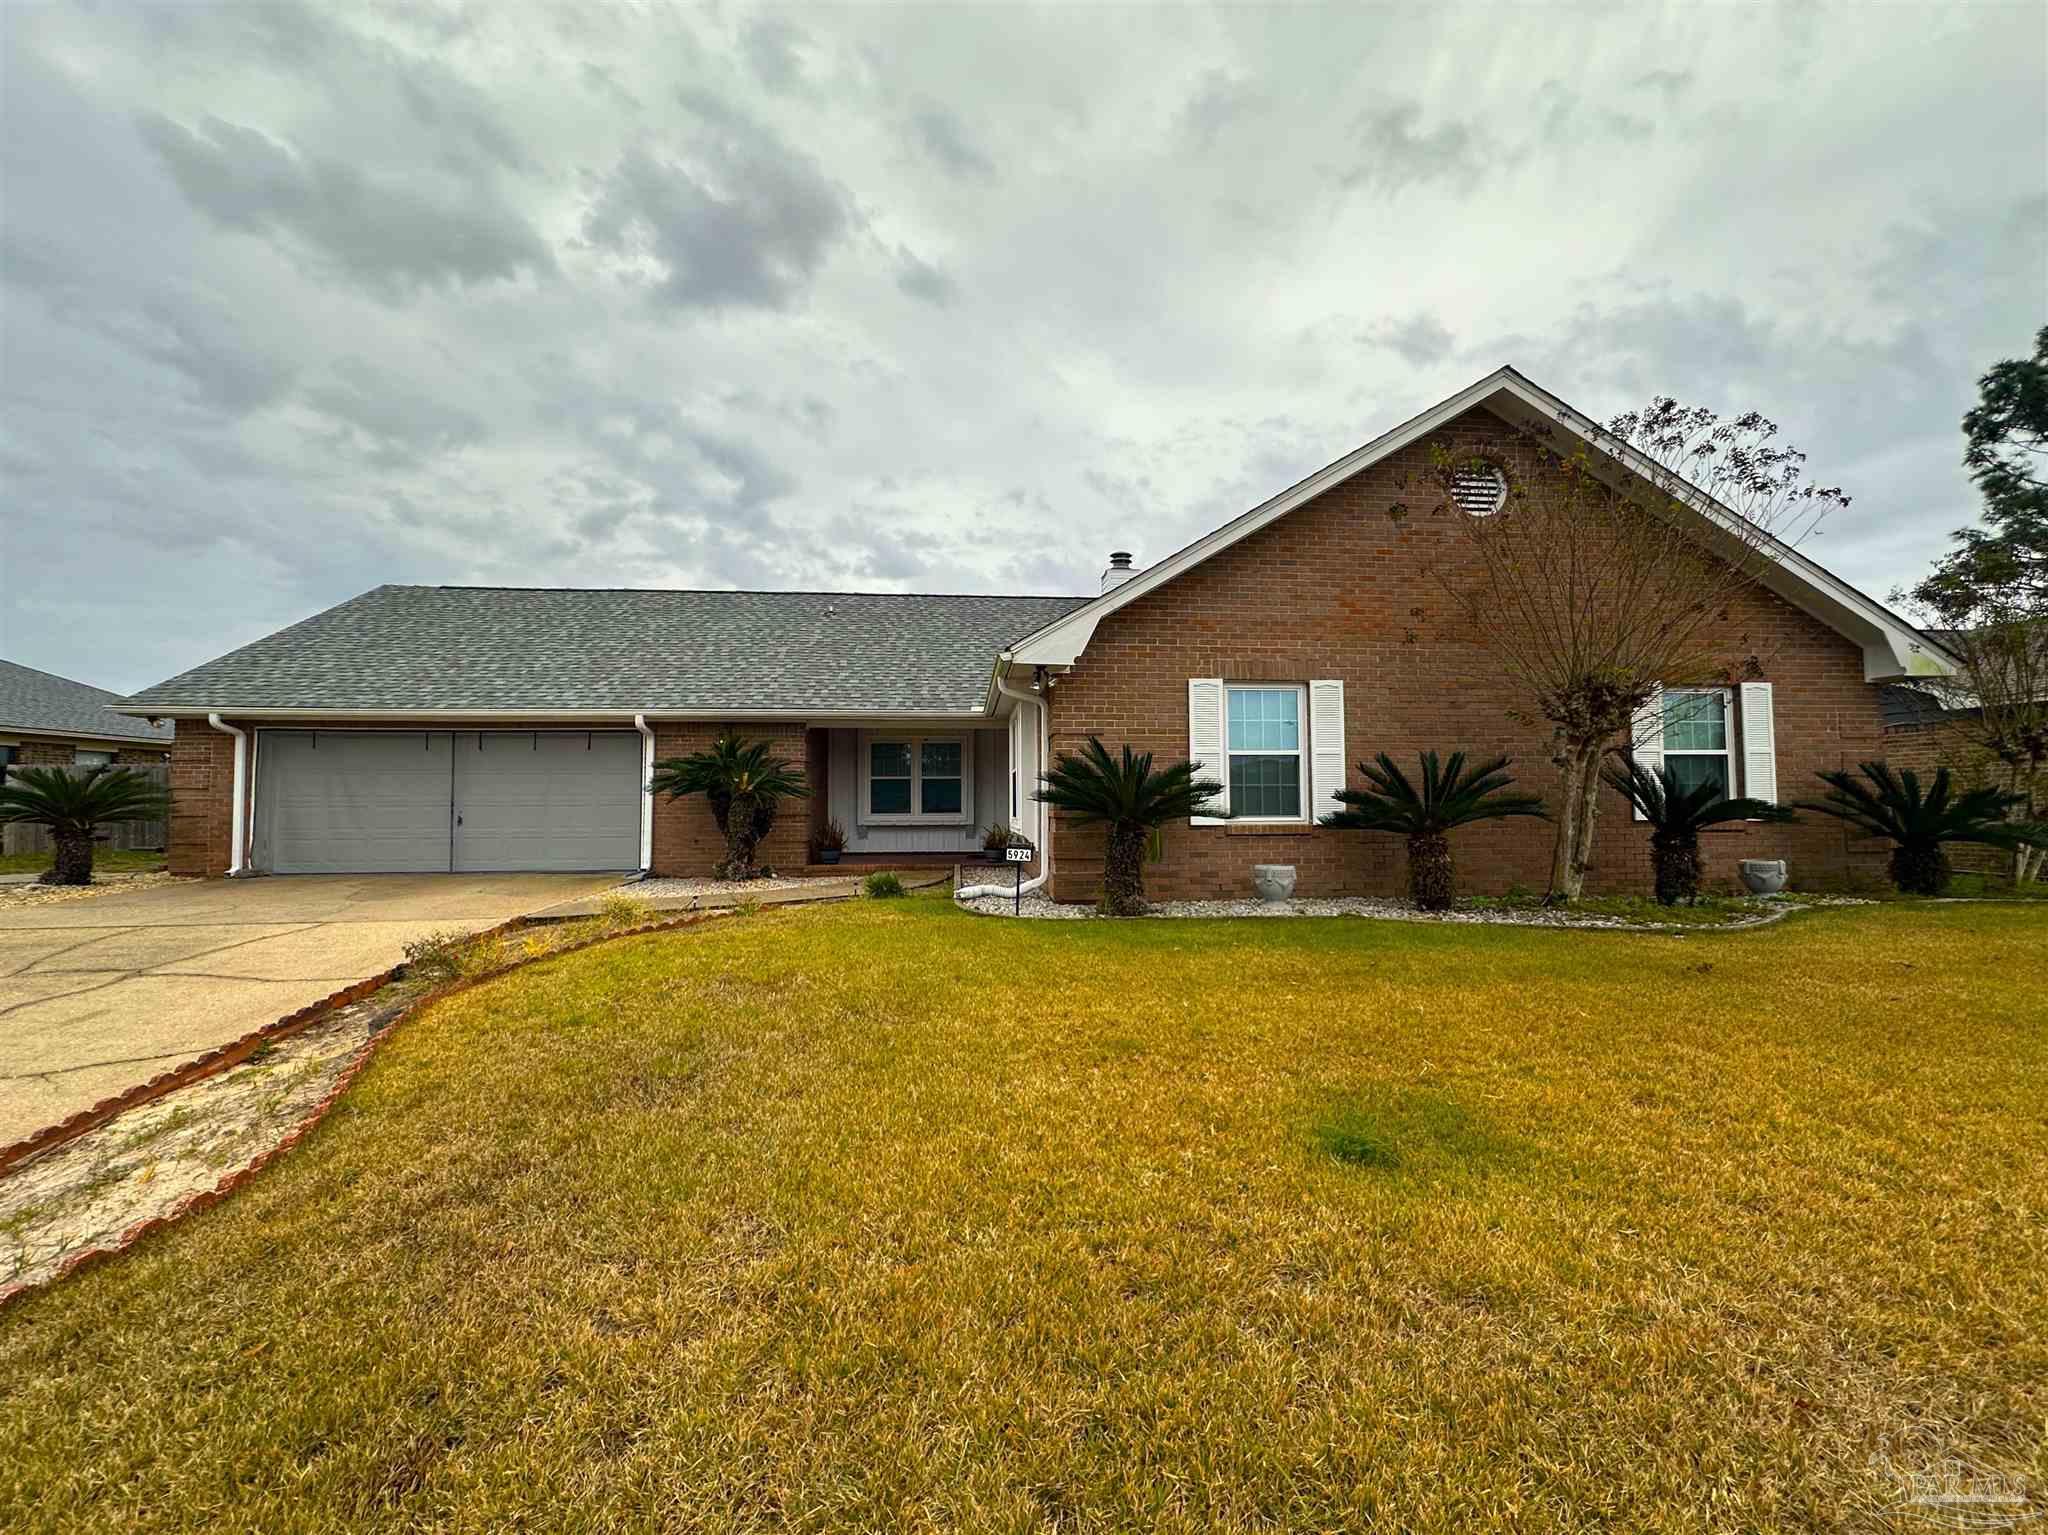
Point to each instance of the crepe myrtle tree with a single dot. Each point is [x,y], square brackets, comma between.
[745,783]
[74,806]
[1129,799]
[1890,803]
[1677,815]
[1447,796]
[1598,563]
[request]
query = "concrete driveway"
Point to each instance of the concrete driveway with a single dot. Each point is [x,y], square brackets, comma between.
[101,993]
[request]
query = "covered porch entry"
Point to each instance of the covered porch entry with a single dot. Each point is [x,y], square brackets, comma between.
[908,794]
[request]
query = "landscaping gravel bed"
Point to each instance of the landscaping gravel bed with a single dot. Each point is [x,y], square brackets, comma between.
[1401,911]
[658,889]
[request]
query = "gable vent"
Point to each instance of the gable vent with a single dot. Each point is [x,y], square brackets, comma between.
[1479,490]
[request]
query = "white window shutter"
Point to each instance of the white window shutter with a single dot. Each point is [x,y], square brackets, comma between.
[1759,744]
[1326,746]
[1205,741]
[1646,735]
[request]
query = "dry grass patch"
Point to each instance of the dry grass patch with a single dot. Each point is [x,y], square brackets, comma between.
[883,1216]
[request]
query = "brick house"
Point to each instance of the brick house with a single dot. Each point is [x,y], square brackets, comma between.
[459,728]
[51,721]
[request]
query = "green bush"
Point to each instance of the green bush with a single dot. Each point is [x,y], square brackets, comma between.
[882,883]
[436,956]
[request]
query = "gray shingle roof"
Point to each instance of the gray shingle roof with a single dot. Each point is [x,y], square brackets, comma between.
[41,701]
[517,648]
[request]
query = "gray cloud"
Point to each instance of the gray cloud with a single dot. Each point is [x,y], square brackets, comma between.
[1221,101]
[1419,339]
[1668,83]
[748,222]
[389,237]
[1395,153]
[942,136]
[392,423]
[619,296]
[921,280]
[774,51]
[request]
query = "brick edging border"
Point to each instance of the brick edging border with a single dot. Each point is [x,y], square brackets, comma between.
[216,1061]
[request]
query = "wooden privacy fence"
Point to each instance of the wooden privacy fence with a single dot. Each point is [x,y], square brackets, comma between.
[125,835]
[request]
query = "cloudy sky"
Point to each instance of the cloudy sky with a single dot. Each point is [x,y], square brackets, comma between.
[297,300]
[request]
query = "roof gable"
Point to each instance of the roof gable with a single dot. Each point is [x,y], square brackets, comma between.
[1891,646]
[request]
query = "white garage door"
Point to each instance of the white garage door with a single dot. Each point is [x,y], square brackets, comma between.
[373,802]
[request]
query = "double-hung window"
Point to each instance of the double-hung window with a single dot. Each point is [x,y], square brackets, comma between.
[916,778]
[1697,739]
[1264,742]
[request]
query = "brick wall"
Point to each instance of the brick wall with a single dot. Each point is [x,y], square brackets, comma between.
[1340,588]
[202,801]
[686,838]
[1939,744]
[34,753]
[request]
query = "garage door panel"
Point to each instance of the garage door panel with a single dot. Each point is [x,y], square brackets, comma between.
[549,801]
[339,802]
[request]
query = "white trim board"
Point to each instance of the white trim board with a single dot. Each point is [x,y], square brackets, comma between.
[1892,648]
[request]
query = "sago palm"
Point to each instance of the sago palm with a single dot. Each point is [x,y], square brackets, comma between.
[1892,805]
[745,783]
[1450,795]
[74,806]
[1128,799]
[1677,815]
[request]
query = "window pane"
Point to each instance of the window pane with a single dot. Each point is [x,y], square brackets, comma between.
[889,759]
[942,759]
[889,796]
[1262,786]
[1695,722]
[941,796]
[1265,719]
[1690,772]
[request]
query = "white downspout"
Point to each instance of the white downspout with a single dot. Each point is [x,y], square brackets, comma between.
[1044,873]
[239,821]
[646,793]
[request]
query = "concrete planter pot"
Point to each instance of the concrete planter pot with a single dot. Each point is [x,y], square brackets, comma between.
[1273,881]
[1763,876]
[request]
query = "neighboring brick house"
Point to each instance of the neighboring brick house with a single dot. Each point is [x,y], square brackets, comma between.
[47,720]
[474,728]
[1925,732]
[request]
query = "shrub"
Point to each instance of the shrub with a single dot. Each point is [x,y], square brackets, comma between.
[75,805]
[1677,815]
[436,956]
[1128,800]
[832,837]
[1448,797]
[1891,805]
[882,883]
[621,910]
[744,782]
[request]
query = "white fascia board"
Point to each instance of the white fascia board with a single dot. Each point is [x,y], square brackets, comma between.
[1892,648]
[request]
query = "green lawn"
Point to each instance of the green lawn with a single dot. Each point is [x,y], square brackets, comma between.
[105,860]
[885,1217]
